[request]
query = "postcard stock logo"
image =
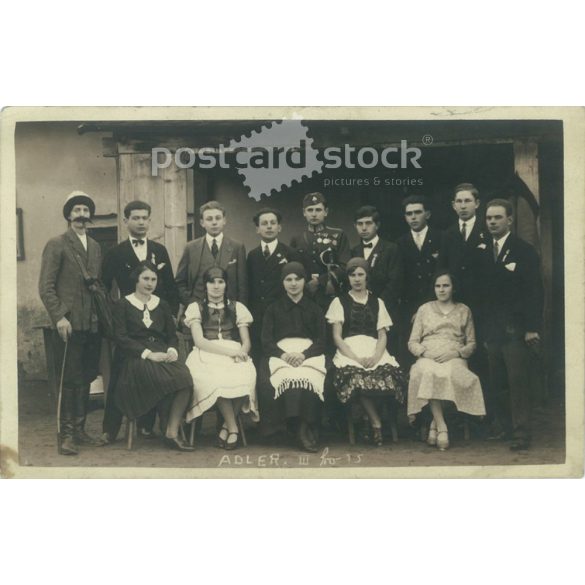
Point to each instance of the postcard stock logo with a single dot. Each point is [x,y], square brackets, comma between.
[280,154]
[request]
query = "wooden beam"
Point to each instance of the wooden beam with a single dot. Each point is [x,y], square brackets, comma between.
[526,165]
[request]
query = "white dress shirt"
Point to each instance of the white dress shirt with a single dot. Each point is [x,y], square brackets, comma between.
[83,239]
[271,246]
[419,237]
[139,250]
[374,242]
[218,240]
[469,223]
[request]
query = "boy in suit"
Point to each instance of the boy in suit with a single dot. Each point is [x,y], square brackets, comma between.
[119,262]
[212,249]
[264,266]
[324,249]
[419,250]
[68,301]
[512,321]
[383,259]
[123,258]
[463,245]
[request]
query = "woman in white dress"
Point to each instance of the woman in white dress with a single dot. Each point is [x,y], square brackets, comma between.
[362,366]
[220,364]
[443,338]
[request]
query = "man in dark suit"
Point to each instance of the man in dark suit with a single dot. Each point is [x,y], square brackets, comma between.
[264,265]
[212,249]
[419,252]
[463,245]
[118,264]
[385,277]
[123,258]
[512,321]
[68,301]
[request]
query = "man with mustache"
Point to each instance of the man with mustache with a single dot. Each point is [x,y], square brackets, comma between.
[67,298]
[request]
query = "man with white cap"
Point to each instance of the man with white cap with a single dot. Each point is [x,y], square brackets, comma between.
[69,261]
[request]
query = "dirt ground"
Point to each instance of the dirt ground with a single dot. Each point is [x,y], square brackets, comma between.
[37,445]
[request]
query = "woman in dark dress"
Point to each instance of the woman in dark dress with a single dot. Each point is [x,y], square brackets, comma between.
[293,368]
[150,374]
[362,367]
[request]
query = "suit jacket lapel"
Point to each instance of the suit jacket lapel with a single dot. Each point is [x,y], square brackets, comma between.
[78,246]
[225,253]
[197,253]
[128,254]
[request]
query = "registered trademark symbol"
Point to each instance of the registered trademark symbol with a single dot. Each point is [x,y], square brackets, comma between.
[427,139]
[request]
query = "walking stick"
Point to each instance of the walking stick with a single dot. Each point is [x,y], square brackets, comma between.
[60,395]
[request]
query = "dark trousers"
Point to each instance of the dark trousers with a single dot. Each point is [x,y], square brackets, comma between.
[112,415]
[509,400]
[80,369]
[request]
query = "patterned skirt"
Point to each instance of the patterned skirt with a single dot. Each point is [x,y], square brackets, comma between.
[349,378]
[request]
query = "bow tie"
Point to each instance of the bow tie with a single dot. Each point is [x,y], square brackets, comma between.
[370,245]
[138,242]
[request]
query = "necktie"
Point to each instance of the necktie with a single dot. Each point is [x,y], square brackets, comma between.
[370,245]
[464,231]
[496,251]
[214,248]
[266,252]
[418,237]
[138,242]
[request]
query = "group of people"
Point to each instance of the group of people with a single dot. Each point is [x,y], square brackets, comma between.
[290,334]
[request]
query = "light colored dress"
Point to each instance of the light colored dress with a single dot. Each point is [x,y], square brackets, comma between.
[433,331]
[349,376]
[220,376]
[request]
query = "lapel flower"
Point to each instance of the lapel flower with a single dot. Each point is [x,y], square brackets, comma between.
[505,255]
[374,257]
[153,258]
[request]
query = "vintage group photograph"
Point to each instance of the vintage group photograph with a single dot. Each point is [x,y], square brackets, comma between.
[359,294]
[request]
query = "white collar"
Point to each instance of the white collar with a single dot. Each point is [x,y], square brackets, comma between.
[422,234]
[135,302]
[374,241]
[218,239]
[502,241]
[469,223]
[271,246]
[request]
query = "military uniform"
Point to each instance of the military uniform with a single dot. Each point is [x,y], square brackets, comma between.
[317,248]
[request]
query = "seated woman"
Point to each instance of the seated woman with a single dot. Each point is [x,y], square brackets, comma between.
[150,375]
[293,368]
[362,366]
[220,365]
[443,338]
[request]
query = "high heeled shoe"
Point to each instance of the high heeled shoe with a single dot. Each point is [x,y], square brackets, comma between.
[234,445]
[442,440]
[177,444]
